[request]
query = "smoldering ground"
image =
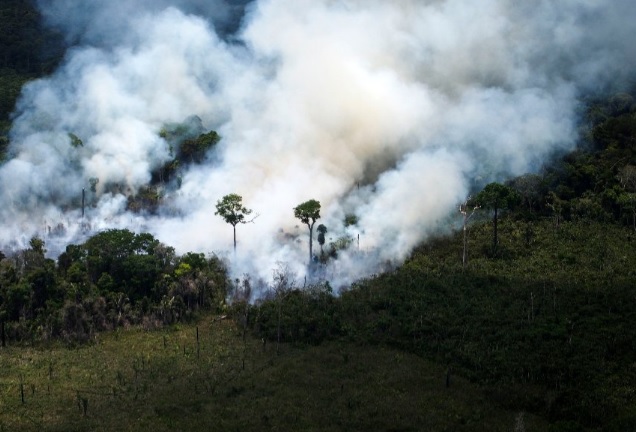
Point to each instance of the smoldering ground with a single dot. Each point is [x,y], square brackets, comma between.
[392,111]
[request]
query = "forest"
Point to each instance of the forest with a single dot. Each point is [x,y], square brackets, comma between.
[522,317]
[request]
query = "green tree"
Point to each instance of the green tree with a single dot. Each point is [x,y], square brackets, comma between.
[28,260]
[528,187]
[110,252]
[43,286]
[195,149]
[73,254]
[496,196]
[12,298]
[75,140]
[627,201]
[231,209]
[557,205]
[308,212]
[139,274]
[350,219]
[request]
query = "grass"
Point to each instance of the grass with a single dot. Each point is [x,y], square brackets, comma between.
[138,380]
[122,377]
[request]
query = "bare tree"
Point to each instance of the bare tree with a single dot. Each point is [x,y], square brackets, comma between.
[243,294]
[467,212]
[284,282]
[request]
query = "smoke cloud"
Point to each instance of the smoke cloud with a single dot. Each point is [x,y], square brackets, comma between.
[391,111]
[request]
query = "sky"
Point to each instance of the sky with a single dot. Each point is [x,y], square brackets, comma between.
[394,111]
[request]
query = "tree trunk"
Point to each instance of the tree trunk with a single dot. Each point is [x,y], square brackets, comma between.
[311,240]
[280,306]
[234,228]
[495,240]
[465,244]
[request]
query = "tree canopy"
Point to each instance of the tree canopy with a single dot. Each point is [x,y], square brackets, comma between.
[232,210]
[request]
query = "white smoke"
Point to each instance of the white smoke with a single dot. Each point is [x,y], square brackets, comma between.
[385,110]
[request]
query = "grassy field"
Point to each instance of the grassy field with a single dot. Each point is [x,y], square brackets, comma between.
[163,380]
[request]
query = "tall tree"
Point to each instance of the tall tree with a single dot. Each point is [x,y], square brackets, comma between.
[232,210]
[467,210]
[308,212]
[496,196]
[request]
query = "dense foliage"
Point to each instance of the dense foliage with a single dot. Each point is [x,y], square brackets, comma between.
[116,278]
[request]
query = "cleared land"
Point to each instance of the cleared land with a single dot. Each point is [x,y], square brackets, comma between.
[138,380]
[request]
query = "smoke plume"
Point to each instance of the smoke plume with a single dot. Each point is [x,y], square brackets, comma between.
[389,111]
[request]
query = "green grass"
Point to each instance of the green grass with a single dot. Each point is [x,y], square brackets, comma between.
[137,380]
